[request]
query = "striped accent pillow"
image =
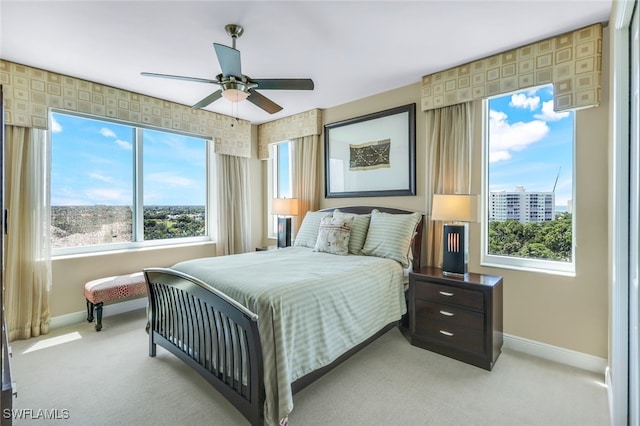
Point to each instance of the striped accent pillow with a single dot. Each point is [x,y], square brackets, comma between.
[333,236]
[308,232]
[359,229]
[390,235]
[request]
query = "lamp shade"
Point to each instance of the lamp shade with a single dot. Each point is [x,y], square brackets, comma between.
[454,207]
[284,206]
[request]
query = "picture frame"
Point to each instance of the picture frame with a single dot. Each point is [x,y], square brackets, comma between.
[373,155]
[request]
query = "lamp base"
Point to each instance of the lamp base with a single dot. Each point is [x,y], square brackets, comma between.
[454,249]
[284,232]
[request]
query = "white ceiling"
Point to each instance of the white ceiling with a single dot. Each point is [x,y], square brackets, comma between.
[351,49]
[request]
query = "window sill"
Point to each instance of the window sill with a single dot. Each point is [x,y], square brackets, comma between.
[529,268]
[131,250]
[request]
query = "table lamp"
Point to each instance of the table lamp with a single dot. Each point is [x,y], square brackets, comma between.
[284,208]
[459,209]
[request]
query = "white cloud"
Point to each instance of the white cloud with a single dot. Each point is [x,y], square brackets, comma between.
[124,144]
[548,114]
[107,133]
[520,100]
[55,126]
[102,178]
[169,180]
[506,137]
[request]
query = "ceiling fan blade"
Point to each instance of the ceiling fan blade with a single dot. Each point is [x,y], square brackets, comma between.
[284,83]
[263,102]
[229,59]
[208,100]
[179,77]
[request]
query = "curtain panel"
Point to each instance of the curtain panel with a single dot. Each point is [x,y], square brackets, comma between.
[305,176]
[449,144]
[28,262]
[234,226]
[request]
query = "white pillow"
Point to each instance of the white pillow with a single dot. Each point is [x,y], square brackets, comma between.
[308,232]
[333,235]
[390,235]
[359,229]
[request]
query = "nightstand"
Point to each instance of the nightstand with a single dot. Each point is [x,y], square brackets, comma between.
[459,316]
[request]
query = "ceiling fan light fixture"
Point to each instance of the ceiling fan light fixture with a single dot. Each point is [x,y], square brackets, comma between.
[235,95]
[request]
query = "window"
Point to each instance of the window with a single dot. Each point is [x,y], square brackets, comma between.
[114,185]
[528,183]
[281,177]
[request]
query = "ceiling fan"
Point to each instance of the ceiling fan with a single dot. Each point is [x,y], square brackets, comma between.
[236,86]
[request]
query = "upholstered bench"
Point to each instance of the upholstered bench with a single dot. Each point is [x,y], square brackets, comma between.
[110,289]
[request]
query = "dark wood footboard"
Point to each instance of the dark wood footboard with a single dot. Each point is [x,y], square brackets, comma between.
[212,333]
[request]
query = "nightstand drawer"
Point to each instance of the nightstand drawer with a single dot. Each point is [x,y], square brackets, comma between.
[450,295]
[451,334]
[449,314]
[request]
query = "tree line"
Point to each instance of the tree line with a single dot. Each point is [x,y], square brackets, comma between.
[550,240]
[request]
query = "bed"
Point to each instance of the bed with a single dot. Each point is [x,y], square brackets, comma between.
[261,326]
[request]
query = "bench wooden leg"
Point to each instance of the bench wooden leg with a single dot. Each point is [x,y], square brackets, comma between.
[89,311]
[99,316]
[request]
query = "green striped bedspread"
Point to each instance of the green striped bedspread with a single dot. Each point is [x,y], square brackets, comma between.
[312,307]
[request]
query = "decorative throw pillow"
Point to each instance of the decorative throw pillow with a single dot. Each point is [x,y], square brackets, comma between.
[359,229]
[390,235]
[308,232]
[333,236]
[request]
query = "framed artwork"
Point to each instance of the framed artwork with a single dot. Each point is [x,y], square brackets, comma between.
[373,155]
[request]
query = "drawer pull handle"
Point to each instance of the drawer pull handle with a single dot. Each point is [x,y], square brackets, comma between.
[446,313]
[446,293]
[446,333]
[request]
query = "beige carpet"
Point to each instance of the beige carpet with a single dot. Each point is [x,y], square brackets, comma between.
[107,378]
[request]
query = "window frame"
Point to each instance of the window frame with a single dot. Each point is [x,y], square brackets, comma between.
[272,183]
[138,193]
[520,263]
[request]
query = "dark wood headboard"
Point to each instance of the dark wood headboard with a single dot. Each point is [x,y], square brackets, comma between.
[416,244]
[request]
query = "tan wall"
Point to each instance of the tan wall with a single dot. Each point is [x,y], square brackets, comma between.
[568,312]
[402,96]
[71,272]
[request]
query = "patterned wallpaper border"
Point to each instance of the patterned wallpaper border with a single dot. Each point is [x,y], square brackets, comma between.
[30,92]
[296,126]
[571,61]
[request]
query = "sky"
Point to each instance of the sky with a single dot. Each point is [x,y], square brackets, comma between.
[92,164]
[530,145]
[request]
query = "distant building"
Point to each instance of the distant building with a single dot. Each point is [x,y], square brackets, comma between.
[522,206]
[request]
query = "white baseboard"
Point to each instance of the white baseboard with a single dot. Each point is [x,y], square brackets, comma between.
[107,311]
[557,354]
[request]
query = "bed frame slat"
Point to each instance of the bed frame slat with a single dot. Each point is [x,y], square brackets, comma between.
[182,310]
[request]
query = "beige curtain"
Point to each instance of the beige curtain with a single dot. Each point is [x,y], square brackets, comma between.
[305,176]
[28,261]
[449,137]
[234,226]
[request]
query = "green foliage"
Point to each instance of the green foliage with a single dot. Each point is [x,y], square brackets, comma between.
[173,222]
[551,240]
